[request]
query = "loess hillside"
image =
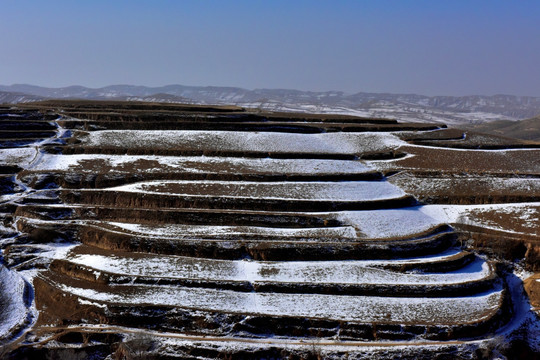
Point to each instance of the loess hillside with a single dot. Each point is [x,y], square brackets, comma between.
[166,231]
[528,129]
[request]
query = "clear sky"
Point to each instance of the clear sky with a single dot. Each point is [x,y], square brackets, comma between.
[435,47]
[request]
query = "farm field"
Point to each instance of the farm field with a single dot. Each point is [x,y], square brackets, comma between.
[146,230]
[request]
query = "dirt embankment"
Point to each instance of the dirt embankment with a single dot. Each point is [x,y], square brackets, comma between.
[79,271]
[204,322]
[532,287]
[160,201]
[102,178]
[259,248]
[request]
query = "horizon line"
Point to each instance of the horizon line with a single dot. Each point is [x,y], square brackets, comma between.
[265,89]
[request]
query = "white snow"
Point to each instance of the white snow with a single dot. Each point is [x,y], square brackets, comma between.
[318,272]
[175,231]
[383,109]
[55,250]
[497,161]
[331,191]
[466,184]
[13,312]
[201,164]
[526,212]
[327,143]
[364,309]
[17,156]
[367,224]
[391,223]
[375,225]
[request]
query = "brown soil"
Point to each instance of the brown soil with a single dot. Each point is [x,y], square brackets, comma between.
[460,139]
[162,201]
[526,162]
[438,172]
[532,287]
[471,189]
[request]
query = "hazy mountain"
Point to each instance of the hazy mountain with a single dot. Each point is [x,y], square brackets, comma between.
[406,107]
[17,97]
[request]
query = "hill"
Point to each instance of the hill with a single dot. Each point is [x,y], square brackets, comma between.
[528,129]
[406,107]
[161,230]
[9,97]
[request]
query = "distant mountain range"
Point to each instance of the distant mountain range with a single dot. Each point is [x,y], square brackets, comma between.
[8,97]
[405,107]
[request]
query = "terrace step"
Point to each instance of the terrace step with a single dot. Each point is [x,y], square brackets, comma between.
[273,196]
[231,124]
[89,171]
[243,226]
[367,277]
[218,217]
[243,144]
[259,235]
[258,247]
[170,308]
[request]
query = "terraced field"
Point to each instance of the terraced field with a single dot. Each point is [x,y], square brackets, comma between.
[133,230]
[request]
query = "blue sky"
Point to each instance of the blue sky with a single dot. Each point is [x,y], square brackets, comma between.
[427,47]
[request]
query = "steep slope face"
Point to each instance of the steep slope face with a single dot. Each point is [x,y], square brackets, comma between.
[178,231]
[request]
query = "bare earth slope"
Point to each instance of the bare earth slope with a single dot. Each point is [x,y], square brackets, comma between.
[146,230]
[528,129]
